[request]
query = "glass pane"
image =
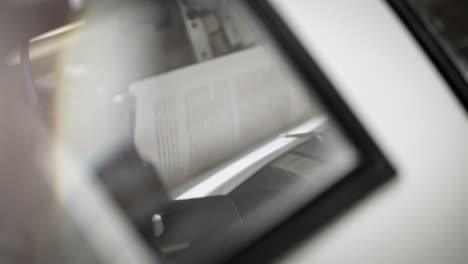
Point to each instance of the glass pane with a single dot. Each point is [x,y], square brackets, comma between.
[166,125]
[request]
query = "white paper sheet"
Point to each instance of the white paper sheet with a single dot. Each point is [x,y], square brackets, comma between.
[194,118]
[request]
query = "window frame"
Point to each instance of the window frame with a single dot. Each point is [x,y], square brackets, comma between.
[373,171]
[433,48]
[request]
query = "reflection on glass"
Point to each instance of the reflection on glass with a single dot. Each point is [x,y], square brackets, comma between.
[446,20]
[173,122]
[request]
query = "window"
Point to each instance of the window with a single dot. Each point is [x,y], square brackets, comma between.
[441,28]
[187,130]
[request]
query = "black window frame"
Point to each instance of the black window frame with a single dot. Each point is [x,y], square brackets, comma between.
[372,172]
[433,48]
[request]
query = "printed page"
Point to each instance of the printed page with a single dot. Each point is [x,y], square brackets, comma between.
[194,118]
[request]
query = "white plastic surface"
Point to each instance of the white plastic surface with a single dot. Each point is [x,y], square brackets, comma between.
[422,216]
